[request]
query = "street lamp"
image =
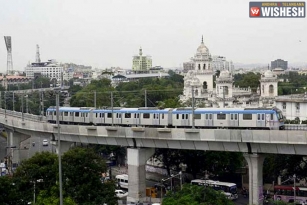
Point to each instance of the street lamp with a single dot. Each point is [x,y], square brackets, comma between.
[294,182]
[59,145]
[34,182]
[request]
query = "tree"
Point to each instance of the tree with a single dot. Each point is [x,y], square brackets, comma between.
[196,195]
[42,166]
[9,194]
[82,169]
[247,80]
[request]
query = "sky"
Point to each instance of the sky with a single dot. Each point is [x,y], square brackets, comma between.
[108,33]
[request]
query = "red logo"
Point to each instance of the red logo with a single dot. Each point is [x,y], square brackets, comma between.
[255,11]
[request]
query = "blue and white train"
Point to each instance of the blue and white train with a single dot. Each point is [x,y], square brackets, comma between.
[228,118]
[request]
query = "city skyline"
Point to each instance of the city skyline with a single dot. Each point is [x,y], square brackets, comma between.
[109,33]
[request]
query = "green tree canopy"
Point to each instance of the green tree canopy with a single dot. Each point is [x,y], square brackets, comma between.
[82,169]
[196,195]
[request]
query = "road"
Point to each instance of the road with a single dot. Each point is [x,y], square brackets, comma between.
[28,149]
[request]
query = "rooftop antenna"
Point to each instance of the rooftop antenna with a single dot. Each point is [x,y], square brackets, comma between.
[202,38]
[8,43]
[38,59]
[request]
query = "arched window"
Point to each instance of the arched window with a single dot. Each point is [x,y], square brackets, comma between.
[198,66]
[226,90]
[196,92]
[204,67]
[271,90]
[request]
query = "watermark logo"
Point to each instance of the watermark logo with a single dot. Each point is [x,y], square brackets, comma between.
[255,11]
[277,9]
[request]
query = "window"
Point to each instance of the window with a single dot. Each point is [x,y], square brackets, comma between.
[297,105]
[197,116]
[284,105]
[272,117]
[162,116]
[65,113]
[146,115]
[127,115]
[118,115]
[247,116]
[177,116]
[77,114]
[221,116]
[109,115]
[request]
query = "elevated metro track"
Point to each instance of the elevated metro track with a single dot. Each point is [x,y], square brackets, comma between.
[247,141]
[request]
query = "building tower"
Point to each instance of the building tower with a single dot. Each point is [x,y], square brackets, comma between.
[8,43]
[38,59]
[202,66]
[223,91]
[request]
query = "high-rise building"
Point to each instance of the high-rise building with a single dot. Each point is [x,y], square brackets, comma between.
[141,63]
[220,63]
[279,63]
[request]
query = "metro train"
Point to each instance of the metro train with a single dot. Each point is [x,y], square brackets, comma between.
[226,118]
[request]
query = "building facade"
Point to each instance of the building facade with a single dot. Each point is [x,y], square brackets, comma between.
[50,69]
[279,63]
[141,63]
[220,63]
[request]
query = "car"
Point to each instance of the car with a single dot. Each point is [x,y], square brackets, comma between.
[45,142]
[120,193]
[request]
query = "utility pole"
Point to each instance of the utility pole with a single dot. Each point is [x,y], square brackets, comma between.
[112,107]
[27,104]
[42,104]
[145,98]
[223,96]
[95,99]
[5,104]
[193,121]
[294,180]
[13,101]
[59,146]
[22,115]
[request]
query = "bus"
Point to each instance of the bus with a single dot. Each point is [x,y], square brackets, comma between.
[286,193]
[228,188]
[122,181]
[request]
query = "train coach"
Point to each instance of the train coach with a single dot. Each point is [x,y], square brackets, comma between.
[229,118]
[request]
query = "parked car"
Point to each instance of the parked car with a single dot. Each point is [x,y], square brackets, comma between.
[45,142]
[120,193]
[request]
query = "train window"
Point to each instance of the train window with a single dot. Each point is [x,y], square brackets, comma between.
[162,116]
[177,116]
[136,115]
[206,116]
[258,116]
[119,115]
[197,116]
[182,116]
[262,116]
[96,115]
[65,113]
[127,115]
[236,116]
[146,115]
[221,116]
[109,115]
[82,114]
[186,116]
[77,114]
[272,117]
[101,115]
[231,116]
[247,116]
[210,116]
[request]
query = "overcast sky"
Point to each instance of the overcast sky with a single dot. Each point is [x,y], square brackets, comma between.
[105,33]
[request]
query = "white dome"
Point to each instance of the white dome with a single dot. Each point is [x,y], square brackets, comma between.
[268,74]
[224,74]
[202,48]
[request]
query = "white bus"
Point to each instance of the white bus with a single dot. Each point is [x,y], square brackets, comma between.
[122,181]
[229,189]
